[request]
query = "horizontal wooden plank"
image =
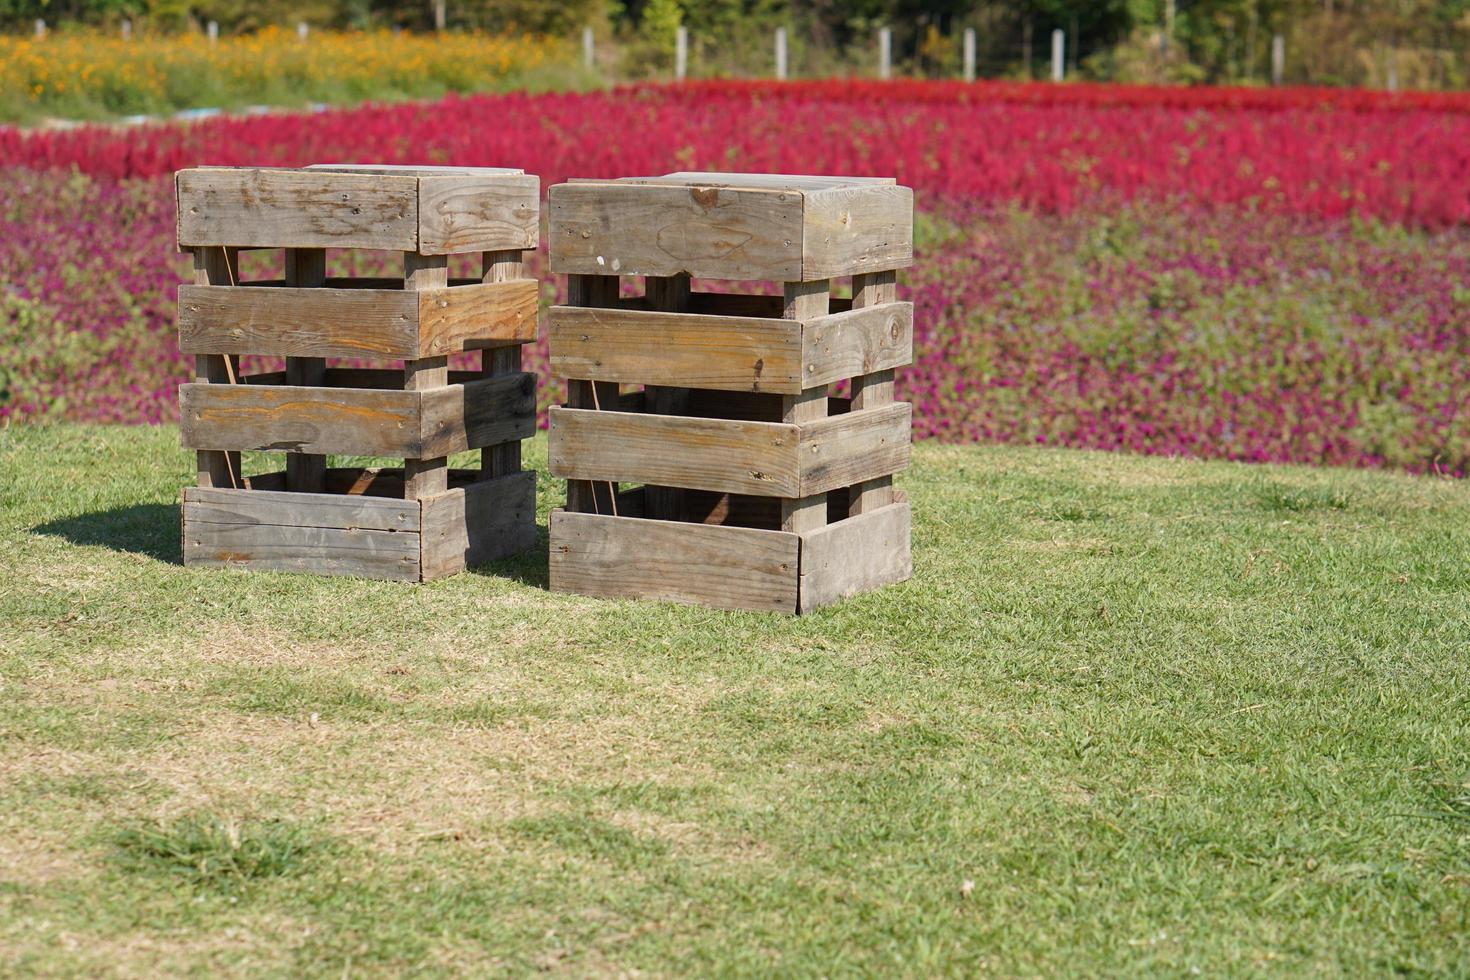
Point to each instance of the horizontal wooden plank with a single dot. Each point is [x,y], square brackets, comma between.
[856,446]
[853,230]
[227,506]
[844,345]
[800,182]
[856,555]
[677,349]
[477,523]
[491,314]
[318,550]
[708,232]
[478,212]
[296,209]
[628,557]
[416,170]
[291,322]
[480,413]
[704,454]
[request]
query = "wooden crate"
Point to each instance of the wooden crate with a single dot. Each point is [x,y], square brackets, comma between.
[413,523]
[706,457]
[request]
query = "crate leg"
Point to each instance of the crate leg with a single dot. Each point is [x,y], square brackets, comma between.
[505,458]
[217,266]
[306,268]
[872,390]
[805,301]
[671,294]
[425,477]
[589,496]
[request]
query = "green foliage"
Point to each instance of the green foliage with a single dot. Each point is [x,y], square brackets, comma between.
[210,853]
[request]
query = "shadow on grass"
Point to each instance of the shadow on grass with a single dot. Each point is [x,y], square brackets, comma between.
[144,529]
[528,568]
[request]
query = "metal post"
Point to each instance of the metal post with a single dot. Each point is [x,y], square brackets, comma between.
[885,52]
[589,49]
[681,52]
[781,53]
[969,54]
[1058,54]
[1278,58]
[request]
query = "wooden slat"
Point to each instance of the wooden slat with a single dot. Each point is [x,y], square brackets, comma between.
[297,209]
[301,509]
[319,550]
[470,525]
[874,388]
[805,510]
[704,454]
[501,269]
[726,567]
[219,266]
[492,314]
[856,555]
[845,345]
[707,232]
[354,421]
[428,474]
[479,413]
[584,496]
[853,230]
[478,213]
[847,449]
[800,182]
[679,349]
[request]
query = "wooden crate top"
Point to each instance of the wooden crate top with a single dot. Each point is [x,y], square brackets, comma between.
[430,210]
[781,227]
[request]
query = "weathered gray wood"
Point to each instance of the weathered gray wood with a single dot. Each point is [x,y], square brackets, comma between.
[874,388]
[854,230]
[856,555]
[306,269]
[354,322]
[793,182]
[584,496]
[860,341]
[708,232]
[301,509]
[496,269]
[847,449]
[319,550]
[297,209]
[480,413]
[219,266]
[429,475]
[486,520]
[474,214]
[804,511]
[676,349]
[726,567]
[706,454]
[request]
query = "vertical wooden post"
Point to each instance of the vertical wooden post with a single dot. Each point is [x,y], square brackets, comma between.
[781,53]
[588,496]
[505,458]
[306,268]
[1278,59]
[1058,51]
[969,54]
[671,294]
[872,390]
[217,266]
[805,301]
[589,48]
[885,52]
[681,52]
[425,477]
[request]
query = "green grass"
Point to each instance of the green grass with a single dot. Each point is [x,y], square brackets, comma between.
[1130,715]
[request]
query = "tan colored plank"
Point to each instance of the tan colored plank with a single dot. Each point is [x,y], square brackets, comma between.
[286,322]
[847,449]
[801,301]
[855,230]
[856,555]
[707,232]
[846,345]
[493,314]
[677,349]
[873,388]
[484,521]
[704,454]
[478,213]
[503,268]
[426,475]
[725,567]
[297,209]
[301,509]
[799,182]
[281,418]
[390,555]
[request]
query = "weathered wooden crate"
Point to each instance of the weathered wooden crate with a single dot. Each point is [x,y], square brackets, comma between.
[414,523]
[707,460]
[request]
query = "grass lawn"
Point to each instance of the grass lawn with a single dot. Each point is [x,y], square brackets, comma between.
[1138,715]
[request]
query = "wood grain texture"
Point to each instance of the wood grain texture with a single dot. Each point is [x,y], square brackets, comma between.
[478,213]
[217,266]
[301,509]
[856,555]
[805,510]
[860,341]
[677,349]
[854,230]
[875,387]
[484,521]
[296,209]
[477,317]
[705,454]
[713,565]
[479,413]
[708,232]
[497,268]
[846,449]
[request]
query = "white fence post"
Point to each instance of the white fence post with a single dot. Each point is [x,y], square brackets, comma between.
[302,31]
[1058,55]
[885,52]
[40,28]
[127,30]
[969,54]
[781,53]
[212,31]
[681,52]
[441,14]
[1278,58]
[589,48]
